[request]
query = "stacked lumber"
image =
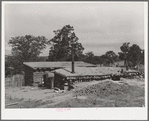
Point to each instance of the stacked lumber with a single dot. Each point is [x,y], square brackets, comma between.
[38,76]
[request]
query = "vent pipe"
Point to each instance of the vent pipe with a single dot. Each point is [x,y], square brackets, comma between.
[72,53]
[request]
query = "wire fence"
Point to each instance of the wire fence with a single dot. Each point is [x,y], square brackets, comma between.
[15,81]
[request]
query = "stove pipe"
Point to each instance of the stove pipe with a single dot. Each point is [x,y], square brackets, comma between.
[72,53]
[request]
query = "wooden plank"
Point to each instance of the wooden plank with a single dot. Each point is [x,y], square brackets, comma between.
[37,76]
[12,104]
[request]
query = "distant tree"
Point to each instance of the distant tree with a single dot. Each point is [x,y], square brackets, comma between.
[27,48]
[42,58]
[89,57]
[7,65]
[111,57]
[97,60]
[106,59]
[80,57]
[60,49]
[124,54]
[136,55]
[142,57]
[24,48]
[11,62]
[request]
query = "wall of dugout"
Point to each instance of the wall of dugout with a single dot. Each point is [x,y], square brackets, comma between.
[101,77]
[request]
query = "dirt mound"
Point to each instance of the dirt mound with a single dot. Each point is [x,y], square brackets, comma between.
[105,88]
[106,94]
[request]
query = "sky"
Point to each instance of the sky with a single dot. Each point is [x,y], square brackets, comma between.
[100,26]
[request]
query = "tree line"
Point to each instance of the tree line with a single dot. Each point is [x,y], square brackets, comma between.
[28,48]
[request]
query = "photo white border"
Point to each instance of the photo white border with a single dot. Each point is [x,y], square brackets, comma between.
[75,113]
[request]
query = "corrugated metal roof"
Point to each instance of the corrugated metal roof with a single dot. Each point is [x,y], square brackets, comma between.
[57,64]
[82,71]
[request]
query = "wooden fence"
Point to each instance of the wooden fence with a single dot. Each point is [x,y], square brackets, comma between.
[15,81]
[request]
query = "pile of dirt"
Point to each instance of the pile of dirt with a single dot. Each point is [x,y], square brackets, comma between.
[106,94]
[104,89]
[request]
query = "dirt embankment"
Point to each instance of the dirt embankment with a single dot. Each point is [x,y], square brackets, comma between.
[106,93]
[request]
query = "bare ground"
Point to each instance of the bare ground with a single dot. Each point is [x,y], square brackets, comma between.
[105,93]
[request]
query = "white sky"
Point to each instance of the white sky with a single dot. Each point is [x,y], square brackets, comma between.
[100,27]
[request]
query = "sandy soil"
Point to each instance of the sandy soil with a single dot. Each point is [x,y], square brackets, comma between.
[105,93]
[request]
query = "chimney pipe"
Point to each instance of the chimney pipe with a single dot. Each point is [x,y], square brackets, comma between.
[72,53]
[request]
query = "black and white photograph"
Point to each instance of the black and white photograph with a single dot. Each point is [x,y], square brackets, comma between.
[74,57]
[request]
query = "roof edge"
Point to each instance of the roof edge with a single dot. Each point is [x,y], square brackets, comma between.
[28,66]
